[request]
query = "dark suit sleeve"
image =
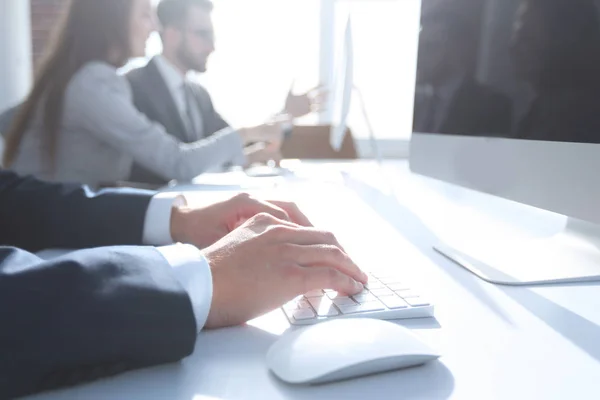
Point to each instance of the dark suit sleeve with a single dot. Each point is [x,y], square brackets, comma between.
[36,215]
[6,119]
[90,314]
[218,121]
[213,120]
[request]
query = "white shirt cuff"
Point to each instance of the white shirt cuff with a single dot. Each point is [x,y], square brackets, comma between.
[192,271]
[157,225]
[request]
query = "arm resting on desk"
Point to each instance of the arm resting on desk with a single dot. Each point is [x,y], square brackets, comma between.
[36,215]
[87,315]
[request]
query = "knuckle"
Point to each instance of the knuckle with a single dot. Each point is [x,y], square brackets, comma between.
[263,217]
[240,198]
[276,231]
[329,237]
[279,214]
[336,253]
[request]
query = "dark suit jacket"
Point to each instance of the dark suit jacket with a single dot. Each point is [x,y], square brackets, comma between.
[6,119]
[476,110]
[152,97]
[91,313]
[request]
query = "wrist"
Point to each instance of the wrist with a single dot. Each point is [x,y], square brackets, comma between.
[222,313]
[246,135]
[179,219]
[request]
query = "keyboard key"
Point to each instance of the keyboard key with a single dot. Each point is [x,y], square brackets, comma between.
[382,292]
[417,301]
[323,306]
[343,301]
[359,308]
[374,284]
[328,312]
[405,294]
[335,295]
[364,298]
[382,274]
[328,290]
[398,286]
[303,314]
[314,293]
[297,304]
[390,280]
[393,302]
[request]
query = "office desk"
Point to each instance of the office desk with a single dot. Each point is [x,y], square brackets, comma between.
[497,342]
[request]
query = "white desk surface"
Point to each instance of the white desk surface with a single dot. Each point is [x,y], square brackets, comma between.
[497,342]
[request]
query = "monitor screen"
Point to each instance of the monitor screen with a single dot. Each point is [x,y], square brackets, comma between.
[520,69]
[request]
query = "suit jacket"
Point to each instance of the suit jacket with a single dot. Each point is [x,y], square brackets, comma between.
[152,97]
[91,313]
[102,134]
[6,119]
[475,110]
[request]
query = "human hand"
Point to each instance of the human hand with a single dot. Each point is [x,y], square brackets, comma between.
[300,105]
[267,262]
[203,226]
[262,153]
[271,132]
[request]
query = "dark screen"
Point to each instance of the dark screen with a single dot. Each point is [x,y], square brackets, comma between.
[522,69]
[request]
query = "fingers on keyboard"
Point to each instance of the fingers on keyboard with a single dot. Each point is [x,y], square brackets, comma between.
[384,293]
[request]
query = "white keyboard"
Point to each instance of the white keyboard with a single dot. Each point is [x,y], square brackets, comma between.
[386,296]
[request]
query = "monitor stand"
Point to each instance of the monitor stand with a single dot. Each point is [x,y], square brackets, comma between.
[570,256]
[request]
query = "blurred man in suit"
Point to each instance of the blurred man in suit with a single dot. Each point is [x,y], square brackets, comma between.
[119,305]
[162,92]
[448,98]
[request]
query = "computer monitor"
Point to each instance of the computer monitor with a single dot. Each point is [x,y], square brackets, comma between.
[343,84]
[507,102]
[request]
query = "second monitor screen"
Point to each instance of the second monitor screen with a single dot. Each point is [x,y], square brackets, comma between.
[522,69]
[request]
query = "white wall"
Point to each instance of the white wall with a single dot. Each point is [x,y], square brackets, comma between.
[15,51]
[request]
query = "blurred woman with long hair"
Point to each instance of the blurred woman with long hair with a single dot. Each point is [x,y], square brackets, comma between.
[79,123]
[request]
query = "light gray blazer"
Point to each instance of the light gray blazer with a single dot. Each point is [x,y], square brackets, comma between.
[102,134]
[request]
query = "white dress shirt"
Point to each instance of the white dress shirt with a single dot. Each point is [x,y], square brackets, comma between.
[190,267]
[175,81]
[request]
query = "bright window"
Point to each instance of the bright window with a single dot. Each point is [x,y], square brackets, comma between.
[265,45]
[262,47]
[385,47]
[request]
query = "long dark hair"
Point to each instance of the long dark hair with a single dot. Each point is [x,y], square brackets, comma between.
[90,31]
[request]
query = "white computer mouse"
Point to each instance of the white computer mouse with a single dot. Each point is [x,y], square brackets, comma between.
[345,348]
